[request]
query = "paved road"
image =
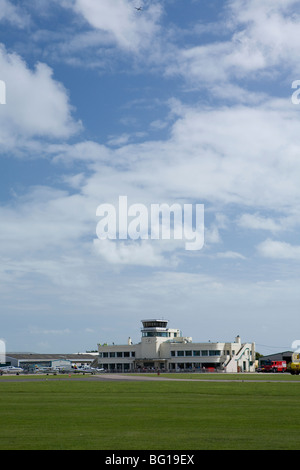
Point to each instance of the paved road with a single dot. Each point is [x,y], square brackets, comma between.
[136,378]
[142,378]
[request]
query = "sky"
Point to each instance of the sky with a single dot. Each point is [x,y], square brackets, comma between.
[186,102]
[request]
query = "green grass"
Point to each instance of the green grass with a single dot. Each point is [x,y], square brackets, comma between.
[155,415]
[278,377]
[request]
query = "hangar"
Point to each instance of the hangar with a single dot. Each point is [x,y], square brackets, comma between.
[27,360]
[281,356]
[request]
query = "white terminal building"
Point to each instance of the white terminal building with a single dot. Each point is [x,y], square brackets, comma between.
[164,348]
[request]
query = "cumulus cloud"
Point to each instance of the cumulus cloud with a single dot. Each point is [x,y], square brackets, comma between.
[257,222]
[242,154]
[279,250]
[128,28]
[258,40]
[36,104]
[120,253]
[262,40]
[43,220]
[13,14]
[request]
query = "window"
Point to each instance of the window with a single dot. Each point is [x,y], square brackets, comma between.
[180,353]
[105,354]
[173,354]
[132,353]
[215,353]
[204,353]
[126,354]
[112,354]
[196,353]
[155,324]
[188,353]
[152,334]
[119,354]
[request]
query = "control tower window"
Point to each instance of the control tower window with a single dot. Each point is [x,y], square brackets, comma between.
[155,333]
[155,324]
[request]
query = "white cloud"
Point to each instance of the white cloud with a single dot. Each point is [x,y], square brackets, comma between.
[36,104]
[44,220]
[118,141]
[139,254]
[263,41]
[279,250]
[282,223]
[128,28]
[34,330]
[257,222]
[13,14]
[88,151]
[240,155]
[243,155]
[230,255]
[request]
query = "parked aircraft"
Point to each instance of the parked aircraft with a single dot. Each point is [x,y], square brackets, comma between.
[11,370]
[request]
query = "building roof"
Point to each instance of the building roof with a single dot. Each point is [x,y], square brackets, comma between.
[289,353]
[33,356]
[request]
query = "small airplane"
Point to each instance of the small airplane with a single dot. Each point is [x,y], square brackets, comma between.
[138,8]
[45,370]
[11,370]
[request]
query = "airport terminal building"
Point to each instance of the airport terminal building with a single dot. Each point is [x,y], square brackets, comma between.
[163,348]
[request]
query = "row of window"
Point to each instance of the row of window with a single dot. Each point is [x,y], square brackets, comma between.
[186,353]
[147,365]
[118,367]
[117,354]
[189,353]
[153,334]
[155,324]
[174,353]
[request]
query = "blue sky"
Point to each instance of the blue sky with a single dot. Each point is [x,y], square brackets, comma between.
[185,101]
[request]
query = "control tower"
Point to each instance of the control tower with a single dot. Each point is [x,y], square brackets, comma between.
[155,332]
[156,328]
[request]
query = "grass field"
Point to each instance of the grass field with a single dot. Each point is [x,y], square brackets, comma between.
[241,377]
[154,415]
